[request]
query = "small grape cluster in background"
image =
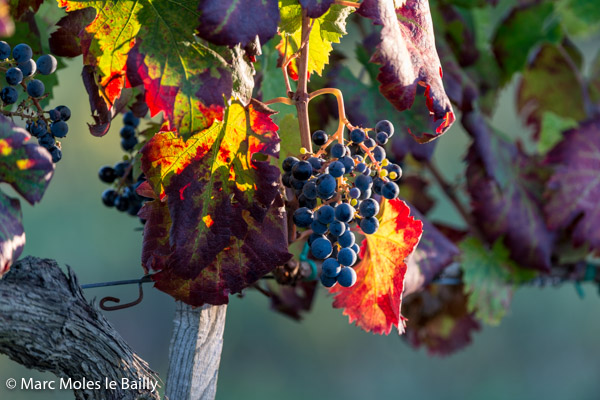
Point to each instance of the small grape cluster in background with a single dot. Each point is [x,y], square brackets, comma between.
[20,72]
[337,191]
[123,195]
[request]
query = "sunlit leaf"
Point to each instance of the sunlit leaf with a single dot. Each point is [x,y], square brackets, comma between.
[373,303]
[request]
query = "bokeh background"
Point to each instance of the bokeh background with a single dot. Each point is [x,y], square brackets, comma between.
[548,347]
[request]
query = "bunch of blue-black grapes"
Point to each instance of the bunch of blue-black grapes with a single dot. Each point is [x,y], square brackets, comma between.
[337,186]
[123,195]
[20,72]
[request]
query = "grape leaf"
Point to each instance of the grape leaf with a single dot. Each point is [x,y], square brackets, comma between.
[520,31]
[579,17]
[316,8]
[489,277]
[374,301]
[507,202]
[292,300]
[433,253]
[551,128]
[18,8]
[226,223]
[564,97]
[229,22]
[408,58]
[326,30]
[66,40]
[573,191]
[182,77]
[438,318]
[12,235]
[24,165]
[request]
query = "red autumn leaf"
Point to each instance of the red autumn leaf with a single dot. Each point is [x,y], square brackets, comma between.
[374,301]
[222,225]
[408,58]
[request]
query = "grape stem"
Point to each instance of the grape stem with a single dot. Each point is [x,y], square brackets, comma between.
[301,95]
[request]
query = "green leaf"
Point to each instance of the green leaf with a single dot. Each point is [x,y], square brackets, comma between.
[551,130]
[579,17]
[327,29]
[490,276]
[526,26]
[289,133]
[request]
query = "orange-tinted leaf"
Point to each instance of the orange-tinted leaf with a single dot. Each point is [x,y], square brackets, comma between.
[374,301]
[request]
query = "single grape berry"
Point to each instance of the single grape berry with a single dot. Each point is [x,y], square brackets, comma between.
[368,208]
[337,228]
[54,115]
[304,201]
[354,193]
[360,167]
[315,163]
[46,64]
[358,135]
[331,268]
[289,163]
[303,217]
[47,141]
[107,174]
[326,185]
[65,112]
[327,281]
[344,212]
[347,277]
[363,182]
[390,190]
[321,248]
[338,150]
[286,179]
[325,214]
[302,170]
[369,225]
[365,195]
[22,53]
[377,185]
[56,154]
[120,168]
[346,257]
[108,197]
[381,138]
[385,126]
[128,144]
[378,153]
[348,164]
[59,129]
[370,143]
[130,119]
[397,171]
[35,88]
[355,247]
[347,239]
[28,68]
[336,169]
[121,203]
[4,50]
[127,132]
[310,190]
[319,137]
[318,227]
[14,76]
[9,95]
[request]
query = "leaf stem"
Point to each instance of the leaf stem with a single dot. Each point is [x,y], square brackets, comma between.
[283,100]
[347,3]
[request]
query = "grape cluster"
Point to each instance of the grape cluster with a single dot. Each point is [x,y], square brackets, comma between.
[21,70]
[123,195]
[339,186]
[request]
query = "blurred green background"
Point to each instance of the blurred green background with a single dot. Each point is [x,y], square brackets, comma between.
[546,348]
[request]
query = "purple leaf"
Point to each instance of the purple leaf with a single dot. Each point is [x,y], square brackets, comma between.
[433,253]
[572,193]
[508,203]
[229,22]
[66,40]
[408,58]
[25,165]
[316,8]
[12,235]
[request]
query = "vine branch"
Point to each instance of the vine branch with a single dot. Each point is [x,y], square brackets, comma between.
[301,95]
